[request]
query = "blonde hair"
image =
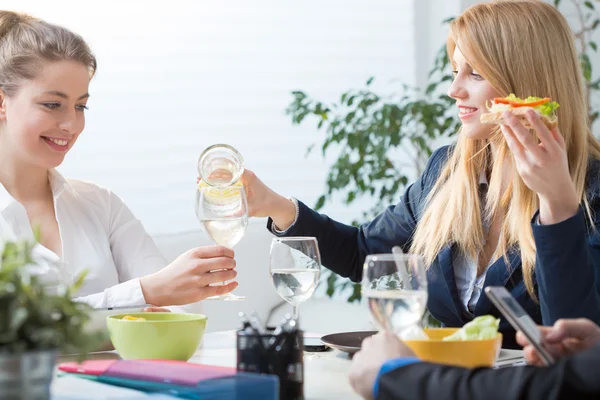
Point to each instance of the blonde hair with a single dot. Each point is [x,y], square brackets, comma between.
[27,43]
[524,47]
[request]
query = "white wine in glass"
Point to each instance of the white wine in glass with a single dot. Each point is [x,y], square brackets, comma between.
[295,266]
[223,212]
[226,232]
[395,286]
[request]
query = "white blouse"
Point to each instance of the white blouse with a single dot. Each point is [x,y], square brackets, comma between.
[98,233]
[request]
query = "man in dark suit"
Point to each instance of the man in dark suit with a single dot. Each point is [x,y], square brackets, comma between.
[386,368]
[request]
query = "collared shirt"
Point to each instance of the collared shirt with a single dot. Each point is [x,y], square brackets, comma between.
[98,233]
[468,284]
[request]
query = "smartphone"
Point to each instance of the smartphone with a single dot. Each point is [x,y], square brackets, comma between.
[519,319]
[314,344]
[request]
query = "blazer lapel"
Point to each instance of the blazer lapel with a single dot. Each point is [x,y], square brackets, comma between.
[498,274]
[443,295]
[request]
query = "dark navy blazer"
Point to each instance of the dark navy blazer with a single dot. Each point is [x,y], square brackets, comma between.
[567,274]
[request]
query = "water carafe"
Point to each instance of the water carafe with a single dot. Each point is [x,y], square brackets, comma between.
[220,165]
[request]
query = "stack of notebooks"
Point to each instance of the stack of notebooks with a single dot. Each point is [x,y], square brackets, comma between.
[177,379]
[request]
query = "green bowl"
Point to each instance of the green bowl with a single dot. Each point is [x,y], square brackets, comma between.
[166,336]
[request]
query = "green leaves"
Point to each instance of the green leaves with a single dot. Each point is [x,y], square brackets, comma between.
[320,203]
[34,317]
[586,67]
[356,293]
[364,129]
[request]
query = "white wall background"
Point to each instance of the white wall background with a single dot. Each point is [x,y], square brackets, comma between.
[175,77]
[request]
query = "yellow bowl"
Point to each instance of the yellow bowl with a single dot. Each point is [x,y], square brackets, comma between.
[463,353]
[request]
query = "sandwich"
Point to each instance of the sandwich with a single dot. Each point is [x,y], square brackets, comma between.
[544,107]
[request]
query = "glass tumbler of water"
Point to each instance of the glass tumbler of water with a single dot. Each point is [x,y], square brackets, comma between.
[220,165]
[395,288]
[295,266]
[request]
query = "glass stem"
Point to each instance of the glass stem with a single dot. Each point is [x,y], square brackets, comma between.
[296,311]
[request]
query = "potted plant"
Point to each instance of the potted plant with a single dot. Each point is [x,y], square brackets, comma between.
[38,320]
[368,130]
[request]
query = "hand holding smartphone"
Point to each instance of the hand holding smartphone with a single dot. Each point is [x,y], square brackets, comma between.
[519,319]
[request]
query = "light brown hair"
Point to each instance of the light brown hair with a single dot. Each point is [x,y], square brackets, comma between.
[27,43]
[524,47]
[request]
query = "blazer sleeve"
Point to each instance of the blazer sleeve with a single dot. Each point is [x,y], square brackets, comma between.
[568,267]
[570,378]
[343,247]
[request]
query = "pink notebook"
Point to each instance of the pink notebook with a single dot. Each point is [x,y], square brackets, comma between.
[163,371]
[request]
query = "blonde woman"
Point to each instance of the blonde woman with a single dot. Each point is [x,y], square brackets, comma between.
[498,207]
[45,71]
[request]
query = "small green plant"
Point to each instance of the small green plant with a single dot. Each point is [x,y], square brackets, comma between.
[365,128]
[34,317]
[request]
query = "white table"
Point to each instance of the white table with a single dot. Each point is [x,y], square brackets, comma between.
[325,374]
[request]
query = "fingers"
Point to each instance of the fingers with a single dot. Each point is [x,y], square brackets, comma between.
[217,277]
[522,134]
[220,175]
[213,264]
[571,329]
[523,341]
[558,137]
[513,143]
[532,356]
[156,309]
[212,252]
[248,176]
[546,138]
[210,291]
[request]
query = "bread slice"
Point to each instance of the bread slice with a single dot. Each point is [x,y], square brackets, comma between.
[519,112]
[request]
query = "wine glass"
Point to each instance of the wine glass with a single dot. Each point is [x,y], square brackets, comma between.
[395,286]
[223,212]
[295,266]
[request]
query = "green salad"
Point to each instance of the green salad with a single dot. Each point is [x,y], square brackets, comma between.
[544,105]
[484,327]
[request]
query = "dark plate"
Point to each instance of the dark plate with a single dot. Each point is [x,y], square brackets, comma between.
[348,342]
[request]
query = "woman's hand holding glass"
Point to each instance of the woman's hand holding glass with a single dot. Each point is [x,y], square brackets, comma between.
[187,279]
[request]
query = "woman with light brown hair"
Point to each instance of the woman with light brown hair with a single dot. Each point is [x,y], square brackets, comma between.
[45,71]
[502,206]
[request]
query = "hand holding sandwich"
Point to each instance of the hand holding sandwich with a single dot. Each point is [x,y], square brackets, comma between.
[541,161]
